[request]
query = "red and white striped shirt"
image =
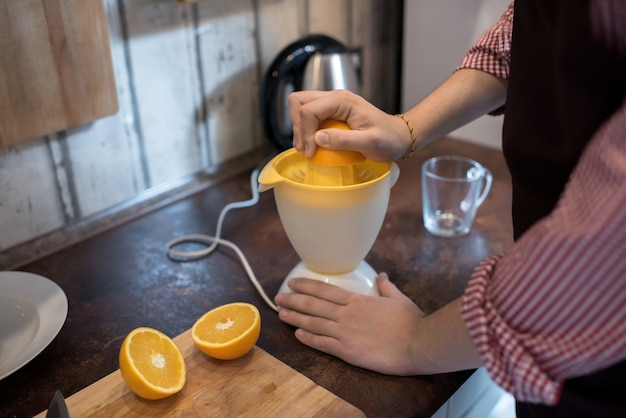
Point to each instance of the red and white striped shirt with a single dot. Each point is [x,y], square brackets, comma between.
[553,307]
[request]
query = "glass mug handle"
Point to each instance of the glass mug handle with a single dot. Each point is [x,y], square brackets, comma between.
[488,178]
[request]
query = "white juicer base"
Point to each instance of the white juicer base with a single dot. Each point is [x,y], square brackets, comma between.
[360,280]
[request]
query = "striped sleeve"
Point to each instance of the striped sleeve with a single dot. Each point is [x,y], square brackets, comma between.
[491,53]
[553,307]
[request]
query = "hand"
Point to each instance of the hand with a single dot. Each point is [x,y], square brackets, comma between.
[376,134]
[377,333]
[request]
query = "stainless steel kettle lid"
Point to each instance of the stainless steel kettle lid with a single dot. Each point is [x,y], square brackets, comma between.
[329,69]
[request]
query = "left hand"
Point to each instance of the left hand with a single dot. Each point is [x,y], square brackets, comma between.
[377,333]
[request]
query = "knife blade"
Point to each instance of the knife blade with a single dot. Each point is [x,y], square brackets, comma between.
[57,408]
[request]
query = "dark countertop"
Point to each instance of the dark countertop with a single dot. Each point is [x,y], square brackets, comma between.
[122,279]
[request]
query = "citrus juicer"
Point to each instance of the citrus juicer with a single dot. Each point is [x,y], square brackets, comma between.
[332,208]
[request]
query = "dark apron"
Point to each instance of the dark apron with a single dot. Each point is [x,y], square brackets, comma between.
[563,85]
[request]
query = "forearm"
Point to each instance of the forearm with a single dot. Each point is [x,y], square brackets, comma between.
[477,88]
[443,343]
[466,95]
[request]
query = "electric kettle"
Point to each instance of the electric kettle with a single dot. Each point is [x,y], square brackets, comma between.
[315,62]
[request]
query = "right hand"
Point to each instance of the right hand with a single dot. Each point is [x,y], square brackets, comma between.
[377,135]
[376,333]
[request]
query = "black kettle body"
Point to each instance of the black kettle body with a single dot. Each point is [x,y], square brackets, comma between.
[315,62]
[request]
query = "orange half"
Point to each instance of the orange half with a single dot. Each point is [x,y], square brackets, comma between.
[151,364]
[228,331]
[334,157]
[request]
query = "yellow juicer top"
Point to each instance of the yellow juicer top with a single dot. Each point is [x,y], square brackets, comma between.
[327,170]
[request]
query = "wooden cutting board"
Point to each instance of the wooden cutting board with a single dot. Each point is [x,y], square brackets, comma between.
[55,67]
[255,385]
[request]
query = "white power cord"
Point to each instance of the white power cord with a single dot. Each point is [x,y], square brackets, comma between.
[214,241]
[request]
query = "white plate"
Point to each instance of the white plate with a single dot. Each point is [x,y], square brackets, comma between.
[32,311]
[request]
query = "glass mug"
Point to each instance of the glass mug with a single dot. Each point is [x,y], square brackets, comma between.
[452,190]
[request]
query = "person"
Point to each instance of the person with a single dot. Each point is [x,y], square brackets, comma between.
[547,318]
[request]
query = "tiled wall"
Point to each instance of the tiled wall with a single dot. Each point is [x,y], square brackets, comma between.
[187,78]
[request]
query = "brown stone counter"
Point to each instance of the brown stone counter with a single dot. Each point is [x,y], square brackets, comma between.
[122,279]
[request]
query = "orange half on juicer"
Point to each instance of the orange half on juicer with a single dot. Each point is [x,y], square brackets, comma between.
[330,167]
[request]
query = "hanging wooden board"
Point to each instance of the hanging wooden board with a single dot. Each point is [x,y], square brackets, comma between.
[55,67]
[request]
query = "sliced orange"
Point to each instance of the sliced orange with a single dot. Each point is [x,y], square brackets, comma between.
[228,331]
[335,157]
[151,363]
[333,123]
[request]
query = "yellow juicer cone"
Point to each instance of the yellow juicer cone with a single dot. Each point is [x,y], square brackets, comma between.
[332,167]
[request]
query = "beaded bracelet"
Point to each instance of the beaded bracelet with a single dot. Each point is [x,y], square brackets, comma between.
[413,136]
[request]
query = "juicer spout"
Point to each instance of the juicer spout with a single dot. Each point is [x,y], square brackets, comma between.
[269,177]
